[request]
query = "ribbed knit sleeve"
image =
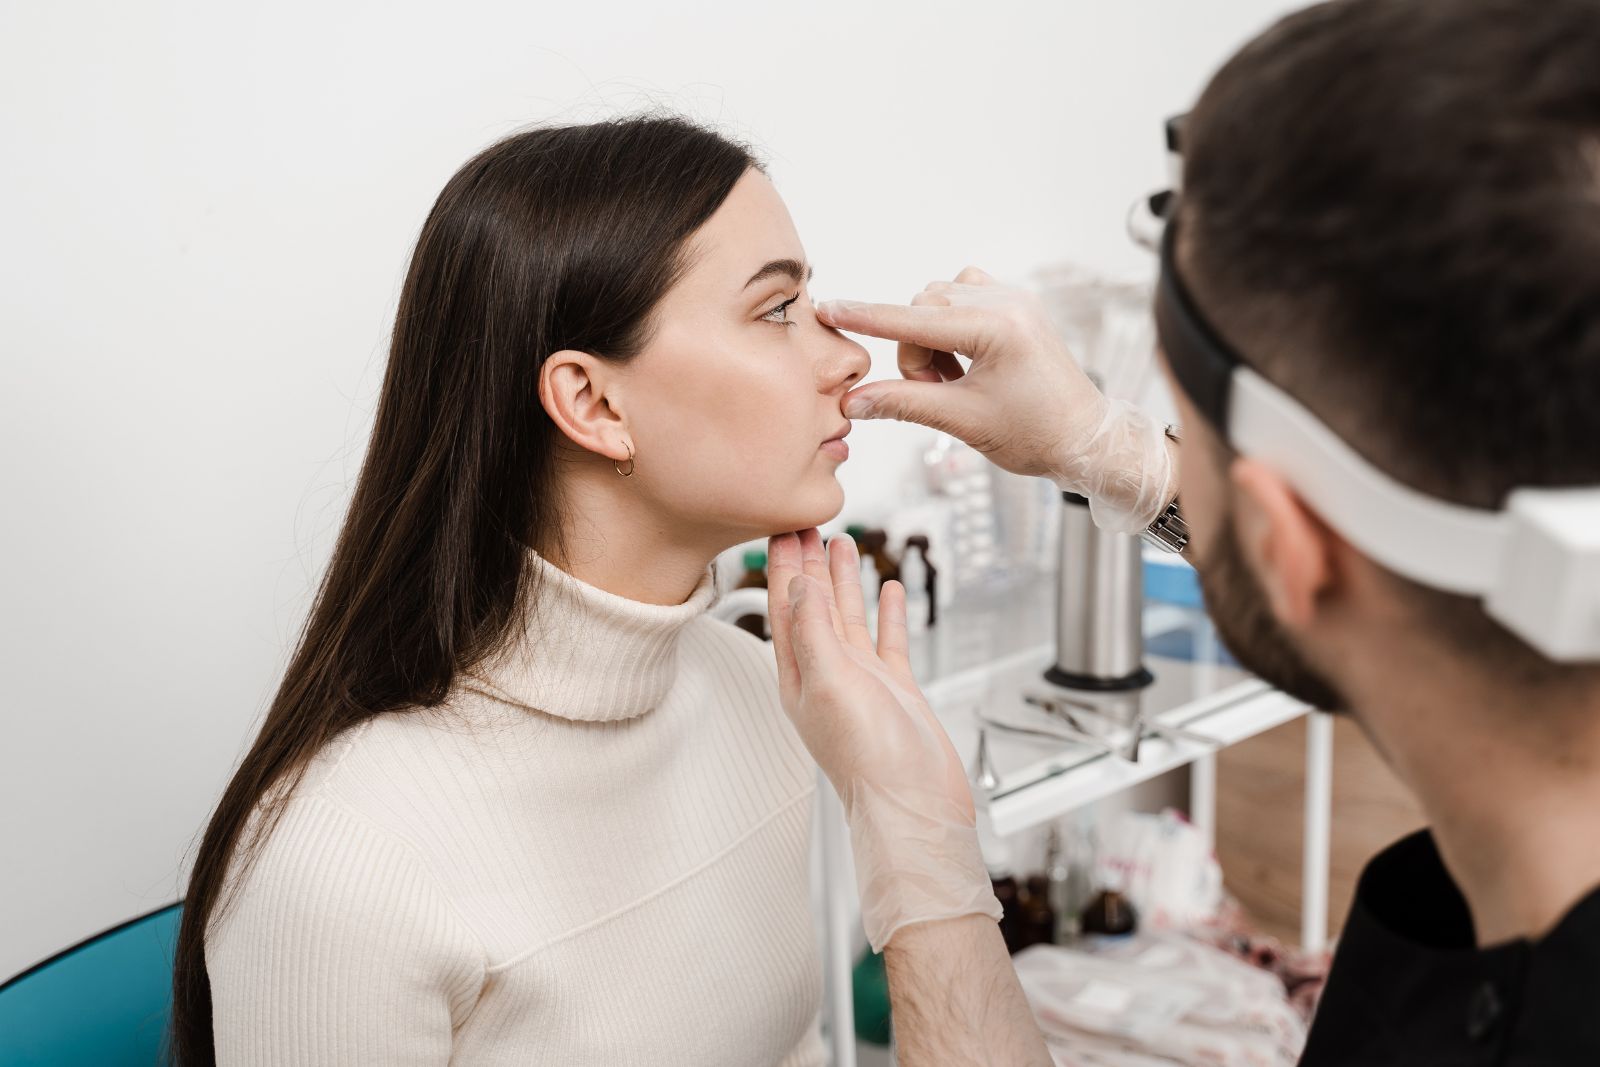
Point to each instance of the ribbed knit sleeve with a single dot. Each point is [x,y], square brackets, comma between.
[339,948]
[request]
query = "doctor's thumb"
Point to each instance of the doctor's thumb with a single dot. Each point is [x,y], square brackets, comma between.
[936,405]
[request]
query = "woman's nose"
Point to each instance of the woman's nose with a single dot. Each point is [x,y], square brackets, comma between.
[844,364]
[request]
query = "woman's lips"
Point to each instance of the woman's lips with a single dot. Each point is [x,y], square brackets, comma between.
[835,446]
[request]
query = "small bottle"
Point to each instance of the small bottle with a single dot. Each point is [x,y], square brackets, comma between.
[755,577]
[913,576]
[875,543]
[1038,918]
[1082,846]
[996,852]
[1058,874]
[869,586]
[1110,915]
[919,544]
[1012,927]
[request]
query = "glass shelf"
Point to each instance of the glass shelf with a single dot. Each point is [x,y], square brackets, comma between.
[982,661]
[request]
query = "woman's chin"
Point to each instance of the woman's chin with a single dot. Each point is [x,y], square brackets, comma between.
[812,506]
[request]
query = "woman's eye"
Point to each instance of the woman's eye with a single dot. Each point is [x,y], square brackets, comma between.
[778,315]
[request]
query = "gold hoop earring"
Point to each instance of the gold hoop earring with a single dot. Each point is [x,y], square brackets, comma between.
[629,472]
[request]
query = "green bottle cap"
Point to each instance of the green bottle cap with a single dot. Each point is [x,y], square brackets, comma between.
[755,560]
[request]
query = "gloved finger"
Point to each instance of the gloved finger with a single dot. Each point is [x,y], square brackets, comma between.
[783,564]
[971,275]
[818,653]
[814,563]
[942,329]
[916,362]
[893,644]
[844,569]
[941,405]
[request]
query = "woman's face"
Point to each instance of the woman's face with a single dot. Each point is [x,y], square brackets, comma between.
[734,405]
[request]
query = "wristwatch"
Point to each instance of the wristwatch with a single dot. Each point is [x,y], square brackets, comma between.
[1169,530]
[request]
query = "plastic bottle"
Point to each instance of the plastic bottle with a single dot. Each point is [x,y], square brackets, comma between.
[869,586]
[914,576]
[1082,848]
[1058,873]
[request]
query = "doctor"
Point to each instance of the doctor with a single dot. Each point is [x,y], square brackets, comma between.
[1379,309]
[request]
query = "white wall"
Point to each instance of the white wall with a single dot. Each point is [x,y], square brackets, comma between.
[207,210]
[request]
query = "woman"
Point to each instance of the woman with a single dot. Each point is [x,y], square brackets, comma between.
[518,798]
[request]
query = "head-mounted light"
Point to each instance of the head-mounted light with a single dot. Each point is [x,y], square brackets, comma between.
[1535,563]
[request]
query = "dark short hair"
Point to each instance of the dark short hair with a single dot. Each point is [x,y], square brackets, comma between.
[1392,209]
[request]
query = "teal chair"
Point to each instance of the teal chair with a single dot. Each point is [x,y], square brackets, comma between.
[104,1001]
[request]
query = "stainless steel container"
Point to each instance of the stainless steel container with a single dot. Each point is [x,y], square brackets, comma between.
[1099,606]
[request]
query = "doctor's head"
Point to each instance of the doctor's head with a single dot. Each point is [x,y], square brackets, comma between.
[1392,211]
[615,318]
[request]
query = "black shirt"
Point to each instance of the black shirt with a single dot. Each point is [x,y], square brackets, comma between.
[1410,986]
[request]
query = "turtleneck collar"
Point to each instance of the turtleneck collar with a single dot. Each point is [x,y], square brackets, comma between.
[588,654]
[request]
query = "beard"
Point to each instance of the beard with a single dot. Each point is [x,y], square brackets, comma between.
[1239,609]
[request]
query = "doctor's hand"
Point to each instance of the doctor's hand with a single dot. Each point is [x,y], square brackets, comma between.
[859,711]
[1024,402]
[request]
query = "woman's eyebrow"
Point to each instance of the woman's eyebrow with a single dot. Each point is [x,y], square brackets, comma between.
[792,268]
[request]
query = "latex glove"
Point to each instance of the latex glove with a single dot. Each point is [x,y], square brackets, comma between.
[861,715]
[1024,402]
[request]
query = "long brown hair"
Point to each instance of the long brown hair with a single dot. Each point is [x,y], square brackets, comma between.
[553,238]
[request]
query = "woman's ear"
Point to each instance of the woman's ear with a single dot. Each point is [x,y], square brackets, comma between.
[1290,549]
[578,391]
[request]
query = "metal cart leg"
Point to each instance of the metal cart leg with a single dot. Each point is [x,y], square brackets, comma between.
[1203,797]
[1318,831]
[838,889]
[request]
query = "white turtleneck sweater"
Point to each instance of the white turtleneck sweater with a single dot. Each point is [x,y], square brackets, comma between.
[596,852]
